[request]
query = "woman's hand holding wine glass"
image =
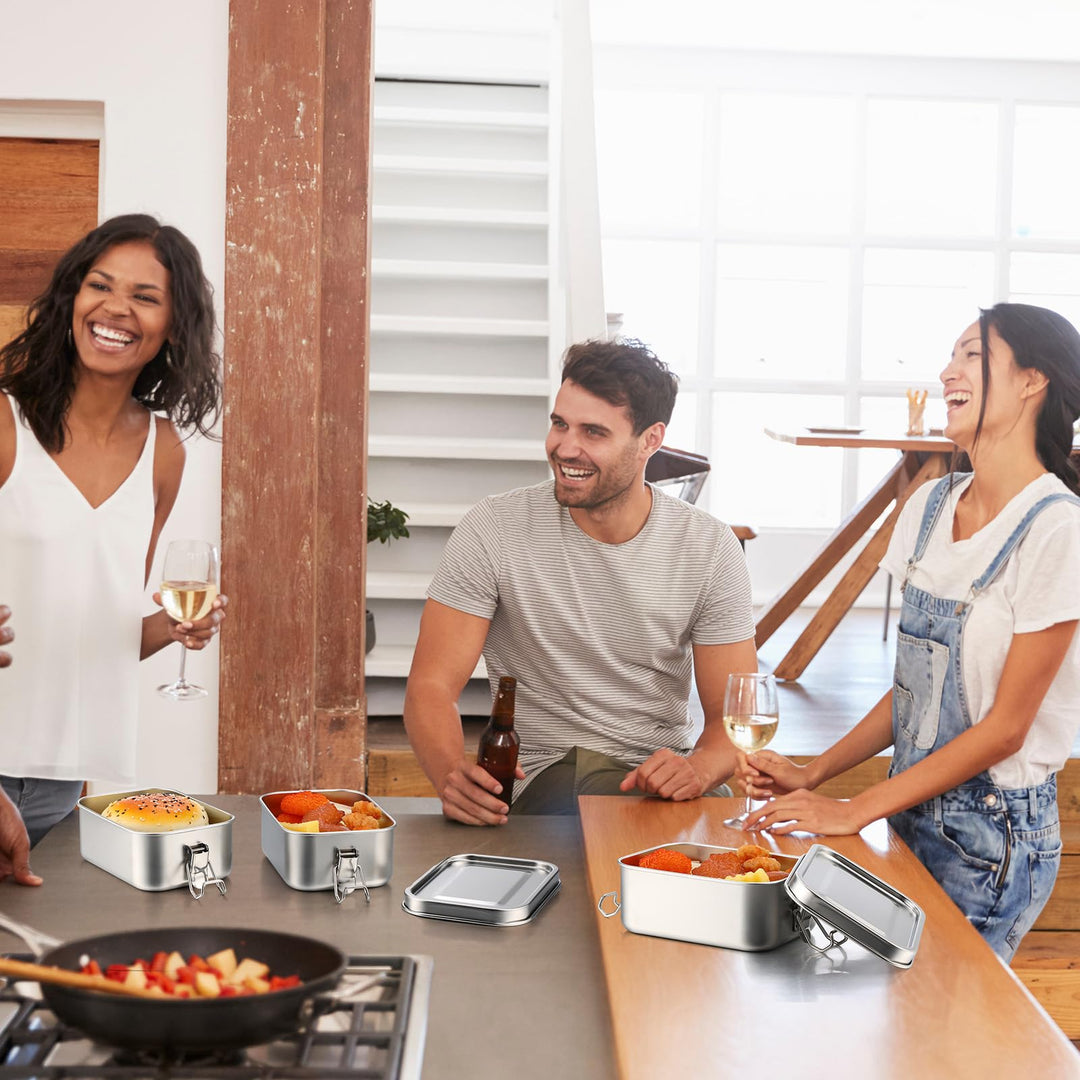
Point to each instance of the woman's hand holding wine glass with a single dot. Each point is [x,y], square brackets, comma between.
[189,594]
[751,715]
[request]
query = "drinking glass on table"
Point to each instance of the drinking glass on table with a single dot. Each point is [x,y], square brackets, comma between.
[189,586]
[751,714]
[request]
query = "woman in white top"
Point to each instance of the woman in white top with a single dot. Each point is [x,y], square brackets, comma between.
[88,475]
[985,703]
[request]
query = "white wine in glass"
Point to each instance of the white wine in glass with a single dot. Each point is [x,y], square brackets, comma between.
[751,715]
[189,587]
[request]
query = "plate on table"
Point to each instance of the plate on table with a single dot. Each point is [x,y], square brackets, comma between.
[836,430]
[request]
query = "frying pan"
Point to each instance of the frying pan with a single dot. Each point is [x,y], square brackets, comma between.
[193,1024]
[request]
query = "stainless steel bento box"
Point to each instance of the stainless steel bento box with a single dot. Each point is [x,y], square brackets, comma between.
[748,915]
[342,861]
[155,861]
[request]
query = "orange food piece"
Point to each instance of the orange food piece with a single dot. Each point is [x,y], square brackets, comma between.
[300,802]
[665,859]
[776,875]
[751,851]
[728,861]
[289,819]
[765,862]
[331,828]
[362,806]
[710,868]
[326,814]
[360,821]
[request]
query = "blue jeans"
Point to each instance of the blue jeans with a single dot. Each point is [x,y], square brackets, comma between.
[999,868]
[42,803]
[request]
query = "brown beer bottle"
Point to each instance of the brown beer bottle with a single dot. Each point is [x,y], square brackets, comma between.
[498,752]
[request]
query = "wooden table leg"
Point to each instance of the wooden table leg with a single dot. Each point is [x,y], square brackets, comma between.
[858,575]
[851,530]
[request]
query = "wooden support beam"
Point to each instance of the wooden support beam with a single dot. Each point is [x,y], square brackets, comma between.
[294,458]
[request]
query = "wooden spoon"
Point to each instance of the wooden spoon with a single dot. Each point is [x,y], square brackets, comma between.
[19,969]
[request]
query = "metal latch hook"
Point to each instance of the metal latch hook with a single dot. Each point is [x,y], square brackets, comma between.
[348,874]
[199,871]
[614,897]
[836,937]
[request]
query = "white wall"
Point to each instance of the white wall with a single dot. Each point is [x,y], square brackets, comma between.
[159,72]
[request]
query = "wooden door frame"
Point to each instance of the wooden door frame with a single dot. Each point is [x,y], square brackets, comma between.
[294,464]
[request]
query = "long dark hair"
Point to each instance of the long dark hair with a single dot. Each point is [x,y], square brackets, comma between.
[183,380]
[1046,341]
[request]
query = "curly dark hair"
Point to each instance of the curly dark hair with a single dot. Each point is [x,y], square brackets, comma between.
[624,372]
[183,380]
[1046,341]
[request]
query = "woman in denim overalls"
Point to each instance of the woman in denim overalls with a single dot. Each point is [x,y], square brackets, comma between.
[981,713]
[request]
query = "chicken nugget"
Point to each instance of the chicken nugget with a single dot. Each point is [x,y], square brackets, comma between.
[360,821]
[766,862]
[751,851]
[665,859]
[300,802]
[327,814]
[362,806]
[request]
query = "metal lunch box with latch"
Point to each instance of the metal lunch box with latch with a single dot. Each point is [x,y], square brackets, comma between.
[487,890]
[156,861]
[748,915]
[822,889]
[342,861]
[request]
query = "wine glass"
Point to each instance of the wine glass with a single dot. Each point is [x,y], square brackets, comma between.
[751,714]
[189,586]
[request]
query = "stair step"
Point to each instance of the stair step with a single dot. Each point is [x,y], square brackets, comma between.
[416,163]
[409,383]
[452,326]
[410,446]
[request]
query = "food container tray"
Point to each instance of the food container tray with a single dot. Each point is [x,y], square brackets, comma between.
[748,915]
[839,892]
[155,861]
[492,890]
[342,861]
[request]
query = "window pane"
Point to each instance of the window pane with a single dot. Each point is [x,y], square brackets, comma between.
[1051,281]
[682,431]
[930,168]
[786,163]
[781,312]
[915,303]
[1046,158]
[654,285]
[649,157]
[764,482]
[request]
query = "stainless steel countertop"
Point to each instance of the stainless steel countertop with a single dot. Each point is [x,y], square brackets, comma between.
[526,1001]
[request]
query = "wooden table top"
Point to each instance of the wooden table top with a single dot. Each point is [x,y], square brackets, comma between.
[936,444]
[680,1009]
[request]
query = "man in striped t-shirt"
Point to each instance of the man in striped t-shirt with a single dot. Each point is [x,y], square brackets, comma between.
[602,596]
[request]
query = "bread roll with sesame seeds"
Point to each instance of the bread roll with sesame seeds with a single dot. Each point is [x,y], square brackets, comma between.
[156,812]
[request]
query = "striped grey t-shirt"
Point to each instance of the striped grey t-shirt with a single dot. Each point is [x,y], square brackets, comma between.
[597,635]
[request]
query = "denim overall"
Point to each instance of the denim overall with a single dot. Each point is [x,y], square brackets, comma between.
[994,851]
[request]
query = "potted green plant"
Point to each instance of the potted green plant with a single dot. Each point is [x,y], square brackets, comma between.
[385,522]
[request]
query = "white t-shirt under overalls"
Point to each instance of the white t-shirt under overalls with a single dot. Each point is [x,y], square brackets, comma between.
[1039,587]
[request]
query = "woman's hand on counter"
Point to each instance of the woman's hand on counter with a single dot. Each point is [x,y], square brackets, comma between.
[468,795]
[807,811]
[14,844]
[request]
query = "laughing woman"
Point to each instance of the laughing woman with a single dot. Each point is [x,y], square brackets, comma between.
[984,706]
[88,475]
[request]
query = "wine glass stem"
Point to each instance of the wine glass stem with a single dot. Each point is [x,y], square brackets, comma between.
[749,807]
[181,681]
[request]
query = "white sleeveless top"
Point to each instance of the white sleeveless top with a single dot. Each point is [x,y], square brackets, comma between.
[73,578]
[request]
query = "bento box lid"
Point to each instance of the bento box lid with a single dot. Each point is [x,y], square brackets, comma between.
[492,890]
[859,905]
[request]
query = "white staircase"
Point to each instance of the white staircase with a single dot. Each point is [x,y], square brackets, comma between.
[462,350]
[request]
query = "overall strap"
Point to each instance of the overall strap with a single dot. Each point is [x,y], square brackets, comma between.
[997,564]
[931,513]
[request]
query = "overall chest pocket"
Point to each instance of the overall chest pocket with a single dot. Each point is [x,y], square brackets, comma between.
[921,666]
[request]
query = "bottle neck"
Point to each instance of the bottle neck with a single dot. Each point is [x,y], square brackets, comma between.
[502,721]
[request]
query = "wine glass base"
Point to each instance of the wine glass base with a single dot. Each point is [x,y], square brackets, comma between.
[182,691]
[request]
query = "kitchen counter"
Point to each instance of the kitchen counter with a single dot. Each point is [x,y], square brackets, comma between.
[494,989]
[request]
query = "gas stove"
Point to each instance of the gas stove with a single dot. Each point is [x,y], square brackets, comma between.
[372,1028]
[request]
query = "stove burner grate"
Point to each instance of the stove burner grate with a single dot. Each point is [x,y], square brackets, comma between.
[359,1033]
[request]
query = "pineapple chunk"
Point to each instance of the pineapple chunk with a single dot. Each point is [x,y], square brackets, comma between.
[301,826]
[136,977]
[259,986]
[182,990]
[206,984]
[248,969]
[224,961]
[173,963]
